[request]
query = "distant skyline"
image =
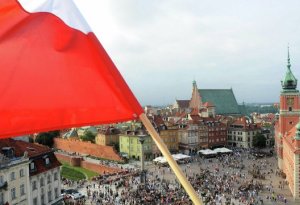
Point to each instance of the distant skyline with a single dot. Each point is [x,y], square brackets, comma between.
[160,47]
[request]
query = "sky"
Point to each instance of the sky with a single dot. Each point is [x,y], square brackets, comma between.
[161,46]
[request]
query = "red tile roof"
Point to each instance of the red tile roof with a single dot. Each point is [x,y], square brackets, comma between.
[36,152]
[194,112]
[20,147]
[208,104]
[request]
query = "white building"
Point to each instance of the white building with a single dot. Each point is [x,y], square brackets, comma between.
[241,133]
[14,179]
[41,173]
[188,138]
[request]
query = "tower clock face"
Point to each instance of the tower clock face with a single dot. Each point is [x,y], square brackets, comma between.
[290,101]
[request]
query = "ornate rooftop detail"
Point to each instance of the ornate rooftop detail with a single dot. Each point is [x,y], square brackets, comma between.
[289,83]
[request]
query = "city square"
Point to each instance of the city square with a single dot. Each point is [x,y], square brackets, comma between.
[227,179]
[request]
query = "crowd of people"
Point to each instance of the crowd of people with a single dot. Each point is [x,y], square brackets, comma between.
[227,179]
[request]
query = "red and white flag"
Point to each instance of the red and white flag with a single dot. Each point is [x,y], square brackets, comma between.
[54,72]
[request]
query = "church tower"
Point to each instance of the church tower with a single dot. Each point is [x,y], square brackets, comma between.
[195,102]
[289,107]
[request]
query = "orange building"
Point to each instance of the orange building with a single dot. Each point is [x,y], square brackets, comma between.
[287,132]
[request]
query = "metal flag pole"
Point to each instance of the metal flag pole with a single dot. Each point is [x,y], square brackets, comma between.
[174,166]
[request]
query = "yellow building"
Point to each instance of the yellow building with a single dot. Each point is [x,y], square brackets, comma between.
[130,145]
[170,137]
[108,137]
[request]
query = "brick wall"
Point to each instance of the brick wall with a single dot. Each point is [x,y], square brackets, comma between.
[88,148]
[87,165]
[99,168]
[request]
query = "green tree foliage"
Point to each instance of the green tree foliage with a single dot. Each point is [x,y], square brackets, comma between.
[259,109]
[88,136]
[46,138]
[259,141]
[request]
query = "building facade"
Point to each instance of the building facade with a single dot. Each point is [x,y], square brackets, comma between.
[14,178]
[130,145]
[217,132]
[42,172]
[108,137]
[188,138]
[287,132]
[241,133]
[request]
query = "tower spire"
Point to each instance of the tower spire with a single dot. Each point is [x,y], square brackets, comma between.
[289,83]
[289,62]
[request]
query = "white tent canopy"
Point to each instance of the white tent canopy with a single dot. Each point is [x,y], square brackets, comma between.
[207,152]
[216,151]
[175,157]
[222,150]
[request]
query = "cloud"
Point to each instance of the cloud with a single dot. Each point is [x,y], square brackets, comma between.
[160,47]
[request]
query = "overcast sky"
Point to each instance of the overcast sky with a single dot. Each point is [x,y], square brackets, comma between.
[161,46]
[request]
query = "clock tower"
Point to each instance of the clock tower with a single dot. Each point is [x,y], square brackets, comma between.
[289,107]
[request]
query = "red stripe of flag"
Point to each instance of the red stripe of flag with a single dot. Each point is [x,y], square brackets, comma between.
[54,76]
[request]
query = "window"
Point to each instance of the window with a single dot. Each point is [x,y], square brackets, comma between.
[34,185]
[55,176]
[22,190]
[42,199]
[49,196]
[56,192]
[13,193]
[48,179]
[42,181]
[47,161]
[35,201]
[12,176]
[290,109]
[32,166]
[21,172]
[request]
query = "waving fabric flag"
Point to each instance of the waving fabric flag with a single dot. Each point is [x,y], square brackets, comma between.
[54,72]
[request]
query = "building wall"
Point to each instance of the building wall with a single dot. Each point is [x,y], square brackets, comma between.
[297,177]
[45,188]
[288,165]
[241,137]
[105,152]
[130,145]
[99,168]
[217,135]
[106,140]
[288,161]
[203,136]
[170,138]
[16,182]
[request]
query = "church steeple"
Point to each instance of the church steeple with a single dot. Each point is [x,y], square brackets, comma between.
[195,102]
[289,82]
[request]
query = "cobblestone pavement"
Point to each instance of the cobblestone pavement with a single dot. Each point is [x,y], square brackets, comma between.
[271,182]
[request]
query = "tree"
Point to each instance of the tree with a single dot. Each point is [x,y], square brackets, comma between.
[46,138]
[88,136]
[259,141]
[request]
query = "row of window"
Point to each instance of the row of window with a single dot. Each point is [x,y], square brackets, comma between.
[13,193]
[43,201]
[13,175]
[217,140]
[240,133]
[42,183]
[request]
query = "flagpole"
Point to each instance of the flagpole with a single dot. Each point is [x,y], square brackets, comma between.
[174,166]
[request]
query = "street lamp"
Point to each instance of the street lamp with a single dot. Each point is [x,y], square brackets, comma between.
[143,172]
